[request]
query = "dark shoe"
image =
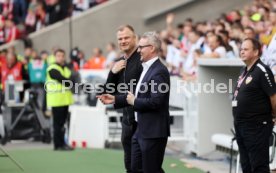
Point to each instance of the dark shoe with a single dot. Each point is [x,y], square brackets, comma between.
[68,148]
[64,148]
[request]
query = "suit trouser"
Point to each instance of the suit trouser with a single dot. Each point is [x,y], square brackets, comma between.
[127,133]
[60,115]
[253,142]
[147,154]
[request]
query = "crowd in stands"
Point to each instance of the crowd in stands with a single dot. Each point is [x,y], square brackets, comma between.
[221,38]
[18,18]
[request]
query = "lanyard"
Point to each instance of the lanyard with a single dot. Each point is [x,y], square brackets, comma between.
[240,81]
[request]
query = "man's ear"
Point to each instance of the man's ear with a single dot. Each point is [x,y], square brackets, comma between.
[153,49]
[256,53]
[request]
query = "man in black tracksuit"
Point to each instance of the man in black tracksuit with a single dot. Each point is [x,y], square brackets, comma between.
[254,104]
[126,70]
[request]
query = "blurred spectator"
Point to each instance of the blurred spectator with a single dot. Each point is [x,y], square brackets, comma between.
[191,73]
[236,32]
[264,12]
[232,50]
[20,58]
[2,30]
[67,7]
[266,37]
[235,16]
[11,50]
[218,27]
[165,40]
[179,30]
[205,47]
[111,55]
[12,70]
[11,31]
[51,58]
[185,44]
[34,54]
[78,57]
[3,55]
[81,59]
[74,54]
[40,16]
[30,20]
[20,10]
[246,21]
[217,49]
[37,73]
[74,65]
[188,22]
[201,27]
[79,6]
[37,69]
[97,61]
[6,8]
[57,10]
[173,58]
[196,40]
[249,32]
[27,56]
[44,55]
[170,32]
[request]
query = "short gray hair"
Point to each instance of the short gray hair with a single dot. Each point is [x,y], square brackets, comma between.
[153,39]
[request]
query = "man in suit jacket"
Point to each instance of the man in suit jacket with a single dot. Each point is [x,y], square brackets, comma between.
[151,104]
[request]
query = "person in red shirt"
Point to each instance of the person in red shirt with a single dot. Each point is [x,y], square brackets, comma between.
[97,61]
[11,70]
[2,30]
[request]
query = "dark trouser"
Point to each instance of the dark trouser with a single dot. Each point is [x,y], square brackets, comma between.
[1,100]
[60,115]
[41,95]
[147,154]
[253,142]
[127,133]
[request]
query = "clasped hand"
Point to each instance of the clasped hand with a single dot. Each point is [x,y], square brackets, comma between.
[110,99]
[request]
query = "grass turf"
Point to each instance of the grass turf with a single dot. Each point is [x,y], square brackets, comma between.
[78,161]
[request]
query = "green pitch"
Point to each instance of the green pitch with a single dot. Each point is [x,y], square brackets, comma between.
[78,161]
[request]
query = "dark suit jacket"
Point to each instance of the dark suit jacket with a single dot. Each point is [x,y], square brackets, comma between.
[152,107]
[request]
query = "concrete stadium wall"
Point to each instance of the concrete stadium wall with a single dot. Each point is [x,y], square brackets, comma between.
[97,26]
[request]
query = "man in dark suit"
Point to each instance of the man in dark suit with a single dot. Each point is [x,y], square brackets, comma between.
[126,70]
[151,106]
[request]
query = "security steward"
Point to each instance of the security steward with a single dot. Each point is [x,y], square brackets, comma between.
[254,103]
[59,97]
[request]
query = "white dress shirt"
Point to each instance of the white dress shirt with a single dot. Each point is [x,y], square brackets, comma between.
[146,66]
